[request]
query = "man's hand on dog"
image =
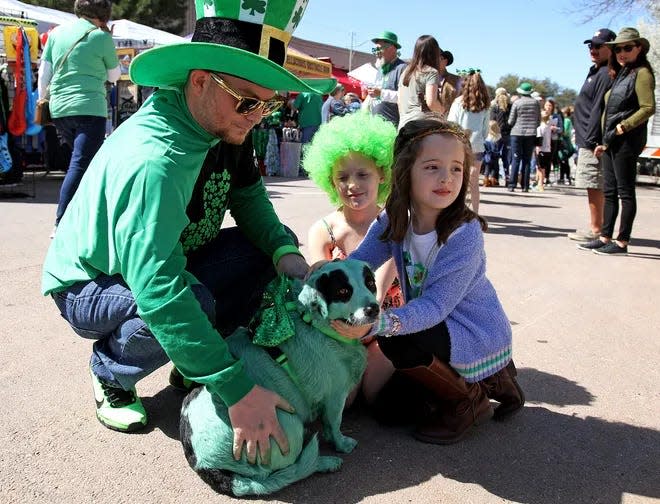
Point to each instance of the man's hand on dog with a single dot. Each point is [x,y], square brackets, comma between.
[293,266]
[254,421]
[351,331]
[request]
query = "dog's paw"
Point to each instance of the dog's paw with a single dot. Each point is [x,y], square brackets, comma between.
[345,444]
[328,464]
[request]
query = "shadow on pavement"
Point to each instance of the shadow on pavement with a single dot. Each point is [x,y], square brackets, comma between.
[539,456]
[163,410]
[526,228]
[542,387]
[519,203]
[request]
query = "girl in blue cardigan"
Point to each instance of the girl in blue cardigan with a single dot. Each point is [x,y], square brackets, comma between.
[451,335]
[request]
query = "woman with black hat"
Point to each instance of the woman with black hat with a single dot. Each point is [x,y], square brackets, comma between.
[628,106]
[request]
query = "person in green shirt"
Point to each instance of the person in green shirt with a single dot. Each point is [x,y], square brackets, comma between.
[77,60]
[309,107]
[140,263]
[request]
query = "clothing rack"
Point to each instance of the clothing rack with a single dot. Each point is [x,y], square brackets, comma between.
[31,157]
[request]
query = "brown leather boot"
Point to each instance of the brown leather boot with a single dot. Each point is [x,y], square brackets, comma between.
[463,404]
[504,388]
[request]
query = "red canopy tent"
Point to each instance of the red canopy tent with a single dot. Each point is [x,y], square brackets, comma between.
[350,84]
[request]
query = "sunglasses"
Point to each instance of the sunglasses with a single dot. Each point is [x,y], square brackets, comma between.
[626,48]
[246,104]
[378,50]
[594,47]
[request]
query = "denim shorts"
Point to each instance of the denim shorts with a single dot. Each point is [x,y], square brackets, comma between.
[589,174]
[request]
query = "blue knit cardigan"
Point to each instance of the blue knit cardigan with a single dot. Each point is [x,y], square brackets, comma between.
[456,290]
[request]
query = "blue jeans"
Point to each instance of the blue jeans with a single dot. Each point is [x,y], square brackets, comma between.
[85,135]
[232,272]
[308,133]
[505,155]
[522,148]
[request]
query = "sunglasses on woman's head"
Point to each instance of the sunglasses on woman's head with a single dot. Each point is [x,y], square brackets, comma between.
[247,104]
[625,48]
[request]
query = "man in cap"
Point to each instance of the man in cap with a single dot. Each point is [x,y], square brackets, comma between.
[390,68]
[588,131]
[139,262]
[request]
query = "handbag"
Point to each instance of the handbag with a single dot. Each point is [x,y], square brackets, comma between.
[42,111]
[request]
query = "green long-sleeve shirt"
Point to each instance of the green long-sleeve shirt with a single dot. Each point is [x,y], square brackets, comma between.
[131,217]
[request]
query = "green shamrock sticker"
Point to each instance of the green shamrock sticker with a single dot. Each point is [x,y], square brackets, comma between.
[254,6]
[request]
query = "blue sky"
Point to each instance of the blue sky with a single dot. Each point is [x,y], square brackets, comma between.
[528,38]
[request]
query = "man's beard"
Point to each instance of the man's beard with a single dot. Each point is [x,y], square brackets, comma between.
[379,62]
[231,136]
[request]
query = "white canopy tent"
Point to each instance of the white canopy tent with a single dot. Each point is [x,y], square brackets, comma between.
[46,18]
[122,29]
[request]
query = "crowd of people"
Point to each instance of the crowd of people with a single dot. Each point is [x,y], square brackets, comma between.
[155,278]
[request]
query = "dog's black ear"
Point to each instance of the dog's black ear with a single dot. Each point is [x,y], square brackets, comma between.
[313,302]
[369,279]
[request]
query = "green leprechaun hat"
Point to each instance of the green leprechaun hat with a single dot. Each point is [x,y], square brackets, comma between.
[244,38]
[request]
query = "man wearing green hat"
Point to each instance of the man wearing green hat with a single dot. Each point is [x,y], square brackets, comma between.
[384,91]
[140,263]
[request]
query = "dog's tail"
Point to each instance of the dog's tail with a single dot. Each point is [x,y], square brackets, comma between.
[308,463]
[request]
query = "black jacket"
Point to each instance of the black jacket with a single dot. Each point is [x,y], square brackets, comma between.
[589,106]
[621,104]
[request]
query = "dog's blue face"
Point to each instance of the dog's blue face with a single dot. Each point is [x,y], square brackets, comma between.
[341,290]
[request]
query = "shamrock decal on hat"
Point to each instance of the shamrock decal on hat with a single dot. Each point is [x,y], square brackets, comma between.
[254,6]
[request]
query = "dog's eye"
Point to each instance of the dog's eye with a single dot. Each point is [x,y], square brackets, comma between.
[371,284]
[343,294]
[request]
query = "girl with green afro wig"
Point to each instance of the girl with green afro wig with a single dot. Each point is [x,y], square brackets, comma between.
[361,133]
[350,158]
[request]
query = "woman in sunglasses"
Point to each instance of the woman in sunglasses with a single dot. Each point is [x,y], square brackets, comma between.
[628,106]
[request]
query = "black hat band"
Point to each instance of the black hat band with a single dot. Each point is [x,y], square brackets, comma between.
[266,41]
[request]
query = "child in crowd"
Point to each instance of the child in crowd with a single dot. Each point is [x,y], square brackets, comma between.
[543,150]
[470,111]
[451,336]
[350,158]
[492,150]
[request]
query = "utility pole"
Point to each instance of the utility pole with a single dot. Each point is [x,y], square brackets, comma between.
[350,52]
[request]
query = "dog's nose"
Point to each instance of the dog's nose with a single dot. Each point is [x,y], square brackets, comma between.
[371,310]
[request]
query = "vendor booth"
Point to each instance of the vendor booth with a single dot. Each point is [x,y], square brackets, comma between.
[24,146]
[304,65]
[285,161]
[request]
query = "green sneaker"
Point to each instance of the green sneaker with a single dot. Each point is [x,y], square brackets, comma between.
[116,408]
[180,382]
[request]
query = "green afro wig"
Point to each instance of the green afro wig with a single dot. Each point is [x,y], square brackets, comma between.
[358,132]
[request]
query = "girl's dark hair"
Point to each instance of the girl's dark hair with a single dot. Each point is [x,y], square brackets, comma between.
[427,53]
[475,93]
[406,150]
[94,9]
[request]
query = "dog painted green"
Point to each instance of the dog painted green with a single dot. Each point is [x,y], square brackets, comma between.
[321,369]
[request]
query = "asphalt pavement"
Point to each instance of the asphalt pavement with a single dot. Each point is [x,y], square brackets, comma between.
[586,341]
